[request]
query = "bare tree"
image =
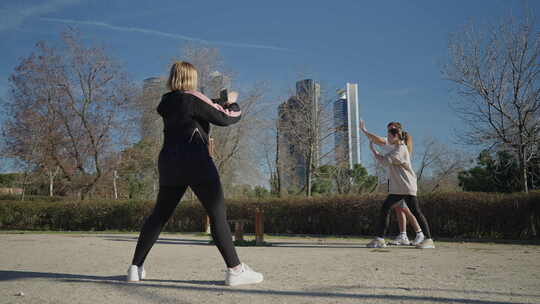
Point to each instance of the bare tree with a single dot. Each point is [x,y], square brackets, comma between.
[234,153]
[439,165]
[304,127]
[266,141]
[76,103]
[497,74]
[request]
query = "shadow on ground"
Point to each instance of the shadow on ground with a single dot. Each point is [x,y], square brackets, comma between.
[292,244]
[217,286]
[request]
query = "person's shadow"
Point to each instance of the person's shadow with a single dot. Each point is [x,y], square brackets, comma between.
[218,286]
[9,275]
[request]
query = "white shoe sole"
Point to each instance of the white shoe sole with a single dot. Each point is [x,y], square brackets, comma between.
[399,243]
[243,283]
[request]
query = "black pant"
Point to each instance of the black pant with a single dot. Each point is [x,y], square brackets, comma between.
[412,203]
[211,196]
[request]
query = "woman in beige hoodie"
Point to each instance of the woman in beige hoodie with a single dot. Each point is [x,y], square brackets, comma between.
[402,186]
[403,213]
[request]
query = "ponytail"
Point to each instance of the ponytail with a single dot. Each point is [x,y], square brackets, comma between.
[408,141]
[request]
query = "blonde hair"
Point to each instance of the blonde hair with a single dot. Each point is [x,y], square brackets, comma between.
[183,77]
[404,136]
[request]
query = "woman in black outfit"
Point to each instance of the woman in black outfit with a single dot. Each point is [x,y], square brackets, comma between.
[184,161]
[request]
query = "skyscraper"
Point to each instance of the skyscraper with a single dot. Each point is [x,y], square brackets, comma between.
[347,125]
[297,128]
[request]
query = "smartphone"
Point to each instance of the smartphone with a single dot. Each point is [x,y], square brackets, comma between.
[224,96]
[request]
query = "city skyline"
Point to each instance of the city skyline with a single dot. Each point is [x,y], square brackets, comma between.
[394,49]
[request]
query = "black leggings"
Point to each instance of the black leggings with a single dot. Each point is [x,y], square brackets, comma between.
[412,203]
[211,196]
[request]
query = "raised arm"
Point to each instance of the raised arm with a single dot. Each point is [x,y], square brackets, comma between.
[372,137]
[205,109]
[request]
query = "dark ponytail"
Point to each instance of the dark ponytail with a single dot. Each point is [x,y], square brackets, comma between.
[407,139]
[404,136]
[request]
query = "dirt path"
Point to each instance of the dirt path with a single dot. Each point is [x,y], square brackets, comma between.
[182,268]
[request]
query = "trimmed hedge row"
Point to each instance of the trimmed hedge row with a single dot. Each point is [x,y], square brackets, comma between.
[41,198]
[474,215]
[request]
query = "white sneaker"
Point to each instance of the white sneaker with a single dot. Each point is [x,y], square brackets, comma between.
[418,239]
[245,275]
[376,243]
[401,239]
[133,274]
[142,272]
[426,244]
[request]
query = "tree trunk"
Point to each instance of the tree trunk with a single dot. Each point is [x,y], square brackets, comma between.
[115,176]
[523,167]
[525,184]
[308,171]
[51,184]
[24,185]
[278,171]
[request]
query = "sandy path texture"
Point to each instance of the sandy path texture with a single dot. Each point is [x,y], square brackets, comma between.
[183,268]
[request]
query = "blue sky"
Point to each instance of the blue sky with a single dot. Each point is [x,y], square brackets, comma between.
[392,49]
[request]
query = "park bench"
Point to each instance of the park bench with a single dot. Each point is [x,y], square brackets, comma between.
[239,227]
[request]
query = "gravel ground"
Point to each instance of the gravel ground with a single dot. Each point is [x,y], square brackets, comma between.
[183,268]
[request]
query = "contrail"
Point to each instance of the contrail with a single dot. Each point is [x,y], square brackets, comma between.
[15,15]
[163,34]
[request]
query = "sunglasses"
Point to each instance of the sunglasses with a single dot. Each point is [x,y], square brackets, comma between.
[393,131]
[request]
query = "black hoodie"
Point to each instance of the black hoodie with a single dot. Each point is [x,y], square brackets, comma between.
[187,115]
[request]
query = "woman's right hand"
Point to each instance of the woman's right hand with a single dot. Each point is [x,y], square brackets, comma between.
[232,96]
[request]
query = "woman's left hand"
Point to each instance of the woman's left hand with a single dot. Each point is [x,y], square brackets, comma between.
[363,126]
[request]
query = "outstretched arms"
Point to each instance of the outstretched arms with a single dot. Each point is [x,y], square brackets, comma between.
[372,137]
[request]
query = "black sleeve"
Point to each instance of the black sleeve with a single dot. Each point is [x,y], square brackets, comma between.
[226,105]
[220,102]
[215,114]
[232,107]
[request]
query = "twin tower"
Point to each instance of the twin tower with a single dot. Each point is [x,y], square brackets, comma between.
[300,125]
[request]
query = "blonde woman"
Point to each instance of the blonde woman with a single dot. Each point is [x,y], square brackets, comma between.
[403,213]
[184,161]
[402,186]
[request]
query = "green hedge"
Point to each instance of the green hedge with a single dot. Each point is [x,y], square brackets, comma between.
[474,215]
[31,198]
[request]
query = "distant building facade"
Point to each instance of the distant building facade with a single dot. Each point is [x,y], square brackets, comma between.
[347,126]
[291,154]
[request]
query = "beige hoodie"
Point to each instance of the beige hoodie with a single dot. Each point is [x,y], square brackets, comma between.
[400,172]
